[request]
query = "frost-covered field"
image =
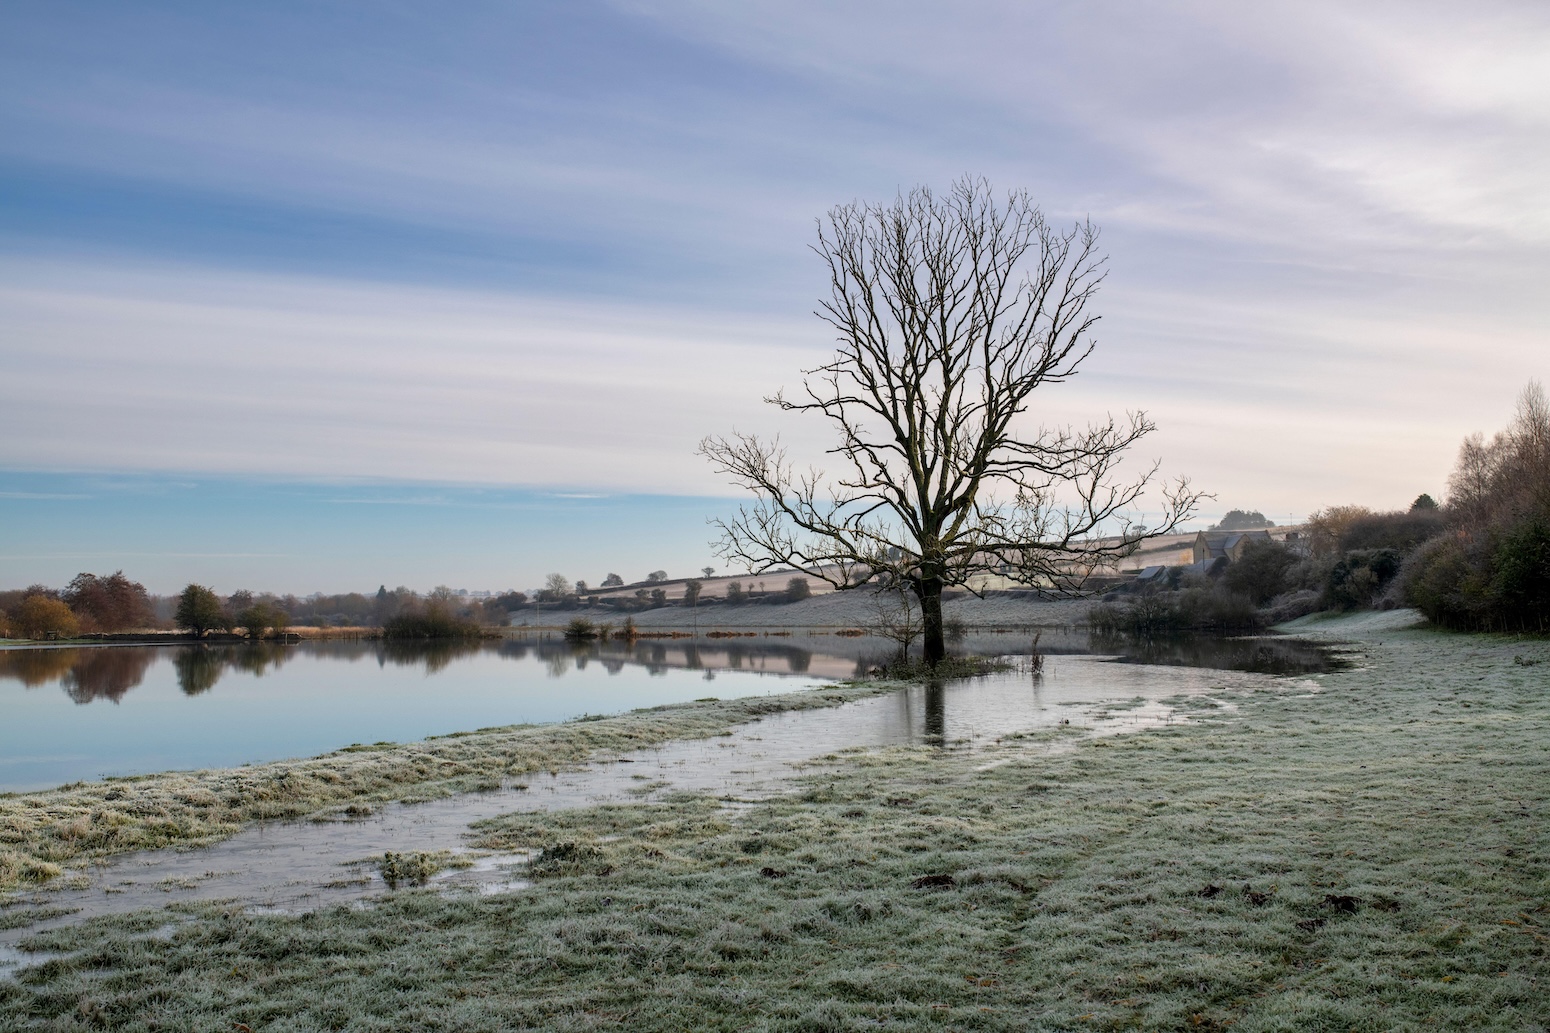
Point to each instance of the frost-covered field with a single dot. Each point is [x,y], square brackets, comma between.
[1370,856]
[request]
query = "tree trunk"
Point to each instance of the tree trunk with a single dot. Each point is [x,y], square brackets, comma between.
[933,643]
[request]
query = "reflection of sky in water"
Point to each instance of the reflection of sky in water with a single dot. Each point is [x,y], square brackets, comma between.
[74,714]
[81,713]
[298,865]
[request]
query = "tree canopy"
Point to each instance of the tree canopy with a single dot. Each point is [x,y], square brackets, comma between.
[200,610]
[949,313]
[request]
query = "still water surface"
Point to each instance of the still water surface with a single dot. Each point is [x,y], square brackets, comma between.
[79,713]
[73,714]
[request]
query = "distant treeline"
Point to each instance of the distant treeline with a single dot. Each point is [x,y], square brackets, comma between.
[93,604]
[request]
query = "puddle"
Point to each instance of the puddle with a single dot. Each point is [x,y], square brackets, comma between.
[298,866]
[13,960]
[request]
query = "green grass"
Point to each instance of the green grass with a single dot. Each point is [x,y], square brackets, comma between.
[1371,856]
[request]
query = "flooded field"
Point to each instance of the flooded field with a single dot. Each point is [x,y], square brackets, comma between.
[295,866]
[83,713]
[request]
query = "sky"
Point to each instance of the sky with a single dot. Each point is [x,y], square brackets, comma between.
[319,296]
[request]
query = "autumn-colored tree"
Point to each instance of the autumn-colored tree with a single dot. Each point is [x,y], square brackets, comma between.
[109,602]
[41,617]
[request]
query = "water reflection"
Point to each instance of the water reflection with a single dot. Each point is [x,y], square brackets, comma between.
[299,865]
[106,673]
[1260,655]
[109,672]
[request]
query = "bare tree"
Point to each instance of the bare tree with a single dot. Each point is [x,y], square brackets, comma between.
[950,312]
[895,617]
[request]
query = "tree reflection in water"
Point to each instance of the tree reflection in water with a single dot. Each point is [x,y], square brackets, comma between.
[110,672]
[107,673]
[84,674]
[198,668]
[936,713]
[35,667]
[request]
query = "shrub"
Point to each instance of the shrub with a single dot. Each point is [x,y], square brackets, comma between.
[1357,578]
[1260,573]
[1401,531]
[433,622]
[798,589]
[1520,582]
[262,618]
[580,630]
[1197,608]
[41,617]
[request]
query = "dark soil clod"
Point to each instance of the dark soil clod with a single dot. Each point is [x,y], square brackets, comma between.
[1342,903]
[772,873]
[1254,896]
[1210,891]
[1309,925]
[933,882]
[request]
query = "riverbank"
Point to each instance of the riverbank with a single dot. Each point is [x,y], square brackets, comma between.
[1371,854]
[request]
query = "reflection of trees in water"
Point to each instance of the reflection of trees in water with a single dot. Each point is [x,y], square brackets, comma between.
[936,713]
[350,650]
[1259,655]
[199,668]
[84,674]
[107,673]
[34,667]
[435,654]
[258,658]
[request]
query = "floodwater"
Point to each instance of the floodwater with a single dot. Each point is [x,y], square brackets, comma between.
[297,866]
[82,713]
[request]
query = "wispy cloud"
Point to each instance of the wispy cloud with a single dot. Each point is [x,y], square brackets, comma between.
[562,257]
[42,495]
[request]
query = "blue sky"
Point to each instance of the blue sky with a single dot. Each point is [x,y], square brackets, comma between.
[254,256]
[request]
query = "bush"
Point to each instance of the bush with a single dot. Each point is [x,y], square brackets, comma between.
[433,622]
[40,617]
[1260,573]
[1197,608]
[580,630]
[1520,582]
[1401,531]
[798,589]
[1357,577]
[262,618]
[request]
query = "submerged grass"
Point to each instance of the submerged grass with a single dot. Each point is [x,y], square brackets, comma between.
[41,833]
[1371,856]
